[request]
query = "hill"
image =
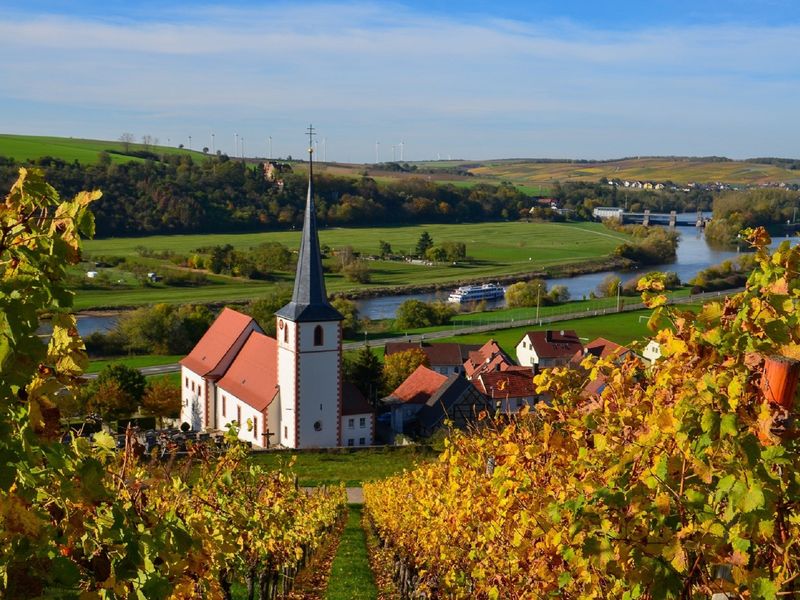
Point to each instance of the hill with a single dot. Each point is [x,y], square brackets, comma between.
[29,147]
[679,170]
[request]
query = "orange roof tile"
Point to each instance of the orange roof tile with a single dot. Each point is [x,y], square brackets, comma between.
[489,357]
[555,344]
[253,376]
[506,384]
[217,341]
[419,386]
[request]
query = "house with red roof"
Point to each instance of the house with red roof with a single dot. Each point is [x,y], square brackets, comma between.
[358,417]
[546,349]
[444,358]
[508,391]
[489,357]
[411,395]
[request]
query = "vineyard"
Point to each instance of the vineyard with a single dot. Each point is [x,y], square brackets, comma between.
[680,480]
[81,519]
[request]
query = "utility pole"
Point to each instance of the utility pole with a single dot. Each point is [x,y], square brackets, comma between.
[377,151]
[270,147]
[538,300]
[242,148]
[212,143]
[235,144]
[190,142]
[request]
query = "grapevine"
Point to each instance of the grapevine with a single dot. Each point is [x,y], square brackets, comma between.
[682,480]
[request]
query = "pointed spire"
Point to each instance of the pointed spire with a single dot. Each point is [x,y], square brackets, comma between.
[309,299]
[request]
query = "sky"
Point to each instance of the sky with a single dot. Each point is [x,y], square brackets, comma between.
[467,80]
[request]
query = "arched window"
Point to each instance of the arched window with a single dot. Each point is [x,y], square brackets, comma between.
[286,334]
[318,336]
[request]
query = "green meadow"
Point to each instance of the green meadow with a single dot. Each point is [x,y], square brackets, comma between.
[494,249]
[29,147]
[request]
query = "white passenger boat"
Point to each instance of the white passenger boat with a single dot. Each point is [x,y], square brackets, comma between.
[476,293]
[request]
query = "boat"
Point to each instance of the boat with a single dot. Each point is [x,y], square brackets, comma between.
[476,293]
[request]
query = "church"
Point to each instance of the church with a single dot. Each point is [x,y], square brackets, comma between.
[285,391]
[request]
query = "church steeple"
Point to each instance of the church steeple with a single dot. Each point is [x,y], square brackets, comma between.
[309,299]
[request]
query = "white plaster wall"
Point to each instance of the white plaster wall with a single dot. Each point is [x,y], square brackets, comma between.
[319,399]
[330,336]
[357,431]
[192,402]
[287,384]
[247,412]
[525,356]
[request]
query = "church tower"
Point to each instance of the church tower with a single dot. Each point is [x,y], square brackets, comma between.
[309,332]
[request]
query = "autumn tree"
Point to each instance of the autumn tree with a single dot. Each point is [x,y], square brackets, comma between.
[398,366]
[162,399]
[347,308]
[526,293]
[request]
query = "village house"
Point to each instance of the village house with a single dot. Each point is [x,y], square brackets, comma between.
[358,418]
[507,391]
[456,401]
[287,390]
[489,357]
[445,359]
[545,349]
[411,395]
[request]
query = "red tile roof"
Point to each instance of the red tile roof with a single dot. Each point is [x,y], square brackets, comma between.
[600,348]
[506,384]
[217,341]
[489,357]
[353,401]
[445,354]
[252,376]
[554,344]
[418,387]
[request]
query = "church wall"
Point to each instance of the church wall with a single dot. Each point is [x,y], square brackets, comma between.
[237,408]
[193,404]
[319,398]
[287,381]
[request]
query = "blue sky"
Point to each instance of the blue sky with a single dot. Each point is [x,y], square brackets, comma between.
[464,79]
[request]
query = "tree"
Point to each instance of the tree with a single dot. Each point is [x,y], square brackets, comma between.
[559,294]
[130,380]
[263,309]
[398,366]
[347,308]
[365,371]
[425,241]
[385,249]
[526,293]
[110,400]
[455,251]
[162,399]
[436,254]
[127,139]
[608,287]
[357,271]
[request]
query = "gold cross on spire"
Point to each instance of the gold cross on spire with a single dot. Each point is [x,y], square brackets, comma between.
[311,134]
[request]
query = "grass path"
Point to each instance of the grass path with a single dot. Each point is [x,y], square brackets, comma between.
[351,575]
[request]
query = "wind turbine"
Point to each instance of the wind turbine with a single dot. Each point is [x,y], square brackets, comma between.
[377,151]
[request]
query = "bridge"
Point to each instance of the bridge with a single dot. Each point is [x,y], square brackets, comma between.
[648,218]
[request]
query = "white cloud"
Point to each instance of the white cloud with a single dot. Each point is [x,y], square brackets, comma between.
[384,63]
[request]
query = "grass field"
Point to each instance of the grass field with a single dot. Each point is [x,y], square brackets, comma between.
[495,249]
[350,468]
[622,328]
[27,147]
[135,362]
[351,575]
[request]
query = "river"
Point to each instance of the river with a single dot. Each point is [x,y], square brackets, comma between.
[693,255]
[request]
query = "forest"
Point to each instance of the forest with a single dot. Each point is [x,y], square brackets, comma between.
[176,194]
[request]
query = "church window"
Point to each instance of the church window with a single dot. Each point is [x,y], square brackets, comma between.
[318,336]
[317,425]
[286,432]
[223,404]
[187,381]
[286,335]
[239,416]
[255,429]
[193,386]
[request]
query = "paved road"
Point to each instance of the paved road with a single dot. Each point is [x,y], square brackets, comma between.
[146,371]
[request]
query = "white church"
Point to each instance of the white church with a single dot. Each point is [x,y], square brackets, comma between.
[289,389]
